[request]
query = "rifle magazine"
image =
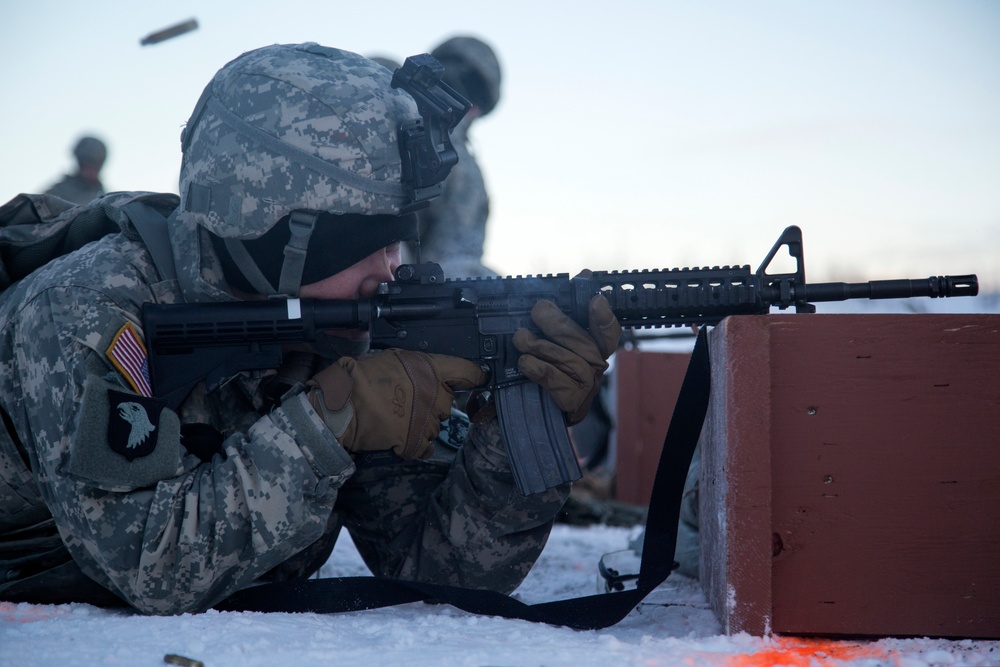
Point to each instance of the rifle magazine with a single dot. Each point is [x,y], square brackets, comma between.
[534,431]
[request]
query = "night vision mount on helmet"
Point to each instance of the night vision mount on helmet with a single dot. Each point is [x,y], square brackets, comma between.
[425,144]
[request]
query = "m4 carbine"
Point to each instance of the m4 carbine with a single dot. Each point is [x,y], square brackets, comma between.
[476,319]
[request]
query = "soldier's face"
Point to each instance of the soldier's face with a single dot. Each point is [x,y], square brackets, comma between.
[359,280]
[355,282]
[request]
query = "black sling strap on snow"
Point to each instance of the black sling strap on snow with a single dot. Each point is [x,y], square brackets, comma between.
[584,613]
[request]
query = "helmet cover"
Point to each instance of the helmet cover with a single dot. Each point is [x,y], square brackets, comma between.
[291,127]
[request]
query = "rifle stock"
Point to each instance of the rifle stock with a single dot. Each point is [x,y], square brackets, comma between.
[476,318]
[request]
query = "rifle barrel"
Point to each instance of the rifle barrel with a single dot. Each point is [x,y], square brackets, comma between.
[933,287]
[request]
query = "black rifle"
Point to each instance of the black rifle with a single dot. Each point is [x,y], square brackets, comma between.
[476,319]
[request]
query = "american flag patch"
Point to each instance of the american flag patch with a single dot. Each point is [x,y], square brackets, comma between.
[128,354]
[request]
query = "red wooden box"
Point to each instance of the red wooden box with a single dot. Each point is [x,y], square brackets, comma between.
[646,388]
[851,475]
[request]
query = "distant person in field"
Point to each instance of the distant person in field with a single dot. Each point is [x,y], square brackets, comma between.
[84,185]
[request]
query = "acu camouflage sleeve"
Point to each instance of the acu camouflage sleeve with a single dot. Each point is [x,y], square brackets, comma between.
[163,530]
[463,524]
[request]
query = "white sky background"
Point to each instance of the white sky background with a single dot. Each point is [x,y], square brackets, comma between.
[630,134]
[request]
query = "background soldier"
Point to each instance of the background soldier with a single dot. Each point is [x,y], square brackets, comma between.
[85,185]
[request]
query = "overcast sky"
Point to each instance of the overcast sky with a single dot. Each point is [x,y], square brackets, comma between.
[630,134]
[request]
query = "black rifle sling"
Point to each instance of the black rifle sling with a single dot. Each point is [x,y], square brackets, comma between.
[584,613]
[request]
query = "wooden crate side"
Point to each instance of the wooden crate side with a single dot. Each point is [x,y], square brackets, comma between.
[885,459]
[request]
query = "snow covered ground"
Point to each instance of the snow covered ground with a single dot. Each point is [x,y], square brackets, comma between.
[673,627]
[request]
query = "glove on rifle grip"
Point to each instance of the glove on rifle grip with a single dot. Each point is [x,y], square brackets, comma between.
[568,361]
[395,399]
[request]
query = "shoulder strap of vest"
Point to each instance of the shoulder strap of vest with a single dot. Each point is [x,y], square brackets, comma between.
[152,227]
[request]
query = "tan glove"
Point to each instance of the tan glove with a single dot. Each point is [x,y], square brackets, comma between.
[569,362]
[393,399]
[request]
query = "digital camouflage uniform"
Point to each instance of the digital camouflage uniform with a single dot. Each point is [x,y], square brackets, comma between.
[94,475]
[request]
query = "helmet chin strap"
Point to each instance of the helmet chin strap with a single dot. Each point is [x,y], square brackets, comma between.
[301,224]
[244,262]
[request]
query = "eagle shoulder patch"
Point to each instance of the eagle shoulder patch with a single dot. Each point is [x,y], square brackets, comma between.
[132,424]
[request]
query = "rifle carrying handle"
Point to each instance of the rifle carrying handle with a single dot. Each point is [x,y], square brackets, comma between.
[534,432]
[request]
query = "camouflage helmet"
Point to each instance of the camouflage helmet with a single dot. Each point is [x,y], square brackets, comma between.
[472,68]
[289,127]
[304,135]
